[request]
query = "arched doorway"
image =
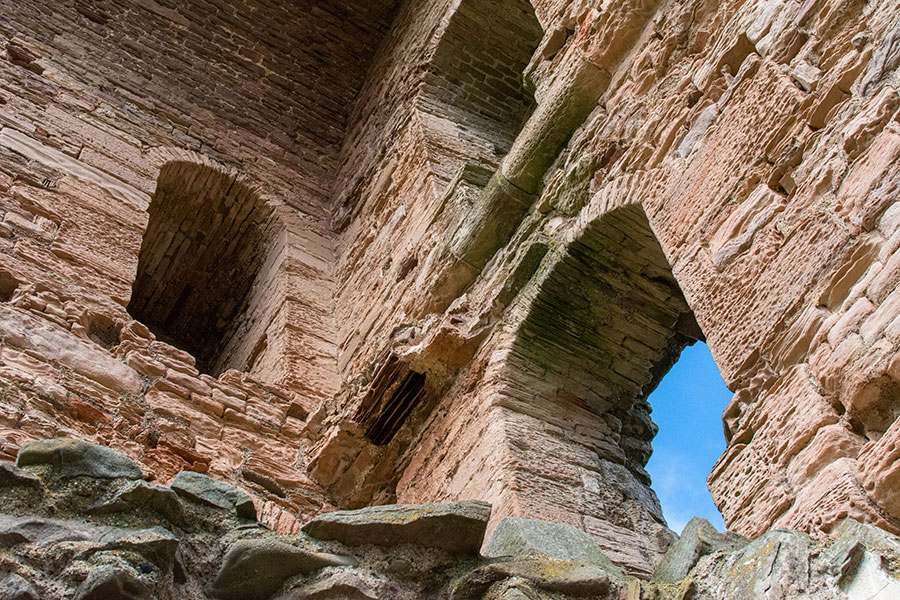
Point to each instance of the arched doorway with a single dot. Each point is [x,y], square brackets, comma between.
[602,325]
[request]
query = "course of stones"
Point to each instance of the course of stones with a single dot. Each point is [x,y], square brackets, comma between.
[79,522]
[344,253]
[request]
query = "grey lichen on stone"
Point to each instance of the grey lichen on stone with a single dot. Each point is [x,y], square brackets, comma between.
[206,490]
[860,551]
[456,527]
[777,565]
[256,569]
[885,60]
[698,539]
[12,476]
[490,222]
[576,579]
[850,531]
[75,458]
[137,495]
[518,537]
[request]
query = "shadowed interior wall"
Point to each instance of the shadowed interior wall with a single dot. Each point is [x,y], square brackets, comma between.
[101,103]
[565,407]
[605,325]
[206,241]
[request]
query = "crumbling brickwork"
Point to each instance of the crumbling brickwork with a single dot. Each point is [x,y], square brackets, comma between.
[348,253]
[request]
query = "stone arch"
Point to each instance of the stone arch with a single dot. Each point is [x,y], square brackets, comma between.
[595,332]
[207,241]
[473,95]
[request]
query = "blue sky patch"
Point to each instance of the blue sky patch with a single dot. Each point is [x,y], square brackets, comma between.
[687,406]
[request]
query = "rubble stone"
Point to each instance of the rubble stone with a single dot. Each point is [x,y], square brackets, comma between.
[201,488]
[75,458]
[571,578]
[256,569]
[14,587]
[112,584]
[698,539]
[138,495]
[11,475]
[138,552]
[518,537]
[457,527]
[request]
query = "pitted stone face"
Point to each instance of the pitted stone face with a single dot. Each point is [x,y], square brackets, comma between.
[760,138]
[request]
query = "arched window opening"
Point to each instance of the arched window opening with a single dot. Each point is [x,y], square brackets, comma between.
[604,325]
[201,258]
[474,80]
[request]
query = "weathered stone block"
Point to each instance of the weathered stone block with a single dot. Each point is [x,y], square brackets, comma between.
[256,569]
[138,495]
[698,539]
[519,537]
[206,490]
[74,458]
[457,527]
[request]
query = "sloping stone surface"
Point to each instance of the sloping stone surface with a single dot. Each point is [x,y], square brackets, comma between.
[57,548]
[456,527]
[139,495]
[519,537]
[698,539]
[12,476]
[202,488]
[256,569]
[573,579]
[785,564]
[75,458]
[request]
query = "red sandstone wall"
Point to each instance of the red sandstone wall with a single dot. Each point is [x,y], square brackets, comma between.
[759,141]
[763,158]
[96,97]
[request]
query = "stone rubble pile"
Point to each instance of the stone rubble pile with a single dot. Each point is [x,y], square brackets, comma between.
[79,522]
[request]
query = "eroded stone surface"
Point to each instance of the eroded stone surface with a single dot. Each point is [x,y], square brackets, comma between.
[523,537]
[456,527]
[256,569]
[75,458]
[698,539]
[523,210]
[202,488]
[137,495]
[67,550]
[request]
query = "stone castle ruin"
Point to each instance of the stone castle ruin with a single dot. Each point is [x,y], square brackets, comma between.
[266,262]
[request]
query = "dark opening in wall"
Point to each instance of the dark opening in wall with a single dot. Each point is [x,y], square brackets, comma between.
[8,286]
[475,77]
[205,244]
[604,325]
[103,331]
[611,319]
[395,391]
